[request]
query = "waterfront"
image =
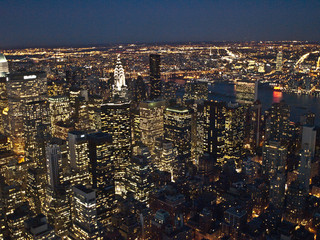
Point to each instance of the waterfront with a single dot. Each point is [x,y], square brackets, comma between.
[299,104]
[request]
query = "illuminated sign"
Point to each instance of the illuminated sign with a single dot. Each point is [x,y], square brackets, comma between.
[30,77]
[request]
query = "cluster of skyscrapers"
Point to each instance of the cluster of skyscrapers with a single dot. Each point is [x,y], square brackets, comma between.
[141,162]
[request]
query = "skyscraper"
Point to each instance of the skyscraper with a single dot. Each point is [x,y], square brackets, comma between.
[36,132]
[234,133]
[23,88]
[84,217]
[151,122]
[116,121]
[4,67]
[214,130]
[196,90]
[246,91]
[78,157]
[274,158]
[277,126]
[279,61]
[177,129]
[102,173]
[155,80]
[138,179]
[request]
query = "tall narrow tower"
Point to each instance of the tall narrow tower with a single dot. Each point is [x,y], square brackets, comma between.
[155,80]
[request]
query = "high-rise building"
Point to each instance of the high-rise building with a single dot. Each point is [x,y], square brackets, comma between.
[309,137]
[4,122]
[253,130]
[102,174]
[234,133]
[54,165]
[23,88]
[138,179]
[278,121]
[177,129]
[78,157]
[151,122]
[196,90]
[155,79]
[246,91]
[274,158]
[304,168]
[84,213]
[116,121]
[140,90]
[165,157]
[279,61]
[4,67]
[36,132]
[169,90]
[214,130]
[59,107]
[277,190]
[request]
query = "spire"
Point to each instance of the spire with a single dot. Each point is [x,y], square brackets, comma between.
[119,78]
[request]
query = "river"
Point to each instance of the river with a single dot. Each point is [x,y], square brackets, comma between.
[299,104]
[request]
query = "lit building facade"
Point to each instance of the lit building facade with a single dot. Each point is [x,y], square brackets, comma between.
[23,88]
[177,129]
[151,122]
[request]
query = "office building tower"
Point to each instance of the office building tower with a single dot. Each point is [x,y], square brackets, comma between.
[304,168]
[78,157]
[199,133]
[177,129]
[274,159]
[309,138]
[246,91]
[214,130]
[140,90]
[54,165]
[308,119]
[165,157]
[138,178]
[101,159]
[296,202]
[169,90]
[38,228]
[36,132]
[23,88]
[279,61]
[84,213]
[155,79]
[277,190]
[4,122]
[277,123]
[116,121]
[151,122]
[253,131]
[94,109]
[82,116]
[234,133]
[102,174]
[35,190]
[59,108]
[196,90]
[57,209]
[4,67]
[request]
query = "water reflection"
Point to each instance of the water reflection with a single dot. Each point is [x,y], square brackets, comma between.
[276,96]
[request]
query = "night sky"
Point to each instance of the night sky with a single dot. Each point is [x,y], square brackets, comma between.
[34,23]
